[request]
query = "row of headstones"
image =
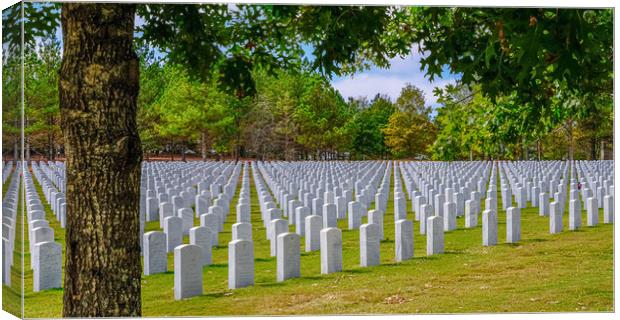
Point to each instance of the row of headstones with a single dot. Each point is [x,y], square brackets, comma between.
[189,259]
[527,181]
[9,215]
[56,172]
[164,184]
[45,253]
[304,180]
[215,217]
[434,222]
[188,272]
[424,186]
[331,198]
[7,168]
[310,176]
[597,177]
[539,198]
[463,177]
[472,208]
[555,210]
[173,204]
[53,196]
[296,211]
[287,244]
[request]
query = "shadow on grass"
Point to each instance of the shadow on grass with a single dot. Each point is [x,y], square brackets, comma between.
[305,254]
[218,265]
[271,284]
[357,271]
[264,259]
[219,294]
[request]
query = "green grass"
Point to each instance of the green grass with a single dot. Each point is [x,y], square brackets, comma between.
[571,271]
[12,295]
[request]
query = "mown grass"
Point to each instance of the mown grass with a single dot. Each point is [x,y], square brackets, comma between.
[571,271]
[12,295]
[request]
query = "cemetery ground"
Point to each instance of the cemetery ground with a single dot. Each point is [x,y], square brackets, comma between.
[566,272]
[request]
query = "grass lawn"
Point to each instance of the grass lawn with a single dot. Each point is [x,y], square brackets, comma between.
[12,296]
[571,271]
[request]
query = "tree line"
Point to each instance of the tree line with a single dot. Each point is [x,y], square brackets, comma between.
[299,115]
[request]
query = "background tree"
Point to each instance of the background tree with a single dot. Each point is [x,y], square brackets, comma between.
[409,131]
[42,114]
[368,138]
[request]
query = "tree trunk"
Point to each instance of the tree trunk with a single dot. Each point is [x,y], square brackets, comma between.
[571,145]
[538,149]
[27,149]
[203,145]
[50,138]
[593,148]
[98,89]
[16,142]
[602,150]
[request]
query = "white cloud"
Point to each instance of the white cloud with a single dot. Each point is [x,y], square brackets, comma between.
[391,81]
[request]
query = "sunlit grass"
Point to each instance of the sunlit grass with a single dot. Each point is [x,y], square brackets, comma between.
[571,271]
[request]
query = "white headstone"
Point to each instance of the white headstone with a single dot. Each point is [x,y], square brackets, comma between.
[288,256]
[243,213]
[543,204]
[489,227]
[330,216]
[574,214]
[242,230]
[449,212]
[471,217]
[300,220]
[608,209]
[592,208]
[277,226]
[47,266]
[240,264]
[434,235]
[314,224]
[404,240]
[370,254]
[513,225]
[400,208]
[165,211]
[331,250]
[555,218]
[376,217]
[155,253]
[211,221]
[187,271]
[202,237]
[187,215]
[173,227]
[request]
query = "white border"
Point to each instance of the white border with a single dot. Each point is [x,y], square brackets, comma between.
[462,3]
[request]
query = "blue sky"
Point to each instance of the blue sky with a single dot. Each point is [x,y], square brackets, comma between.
[391,80]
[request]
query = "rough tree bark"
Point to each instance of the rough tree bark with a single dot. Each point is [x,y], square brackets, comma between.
[98,88]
